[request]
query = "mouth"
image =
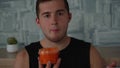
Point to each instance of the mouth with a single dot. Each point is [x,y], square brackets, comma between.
[54,30]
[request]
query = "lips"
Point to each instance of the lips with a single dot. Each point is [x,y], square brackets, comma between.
[54,30]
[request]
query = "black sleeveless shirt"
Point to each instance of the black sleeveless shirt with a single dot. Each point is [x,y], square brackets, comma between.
[75,55]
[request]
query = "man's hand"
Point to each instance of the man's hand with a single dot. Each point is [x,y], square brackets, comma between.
[48,65]
[112,65]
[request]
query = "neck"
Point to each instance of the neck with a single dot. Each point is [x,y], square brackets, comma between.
[60,44]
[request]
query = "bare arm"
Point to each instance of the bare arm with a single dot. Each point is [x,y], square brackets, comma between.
[22,60]
[96,60]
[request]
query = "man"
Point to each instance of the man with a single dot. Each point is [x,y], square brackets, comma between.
[53,17]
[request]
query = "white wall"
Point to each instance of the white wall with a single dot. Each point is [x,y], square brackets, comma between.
[95,21]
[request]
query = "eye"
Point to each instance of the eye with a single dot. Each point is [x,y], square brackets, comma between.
[46,15]
[60,13]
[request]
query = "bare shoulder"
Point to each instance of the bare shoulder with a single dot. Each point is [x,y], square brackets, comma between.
[22,59]
[96,59]
[22,53]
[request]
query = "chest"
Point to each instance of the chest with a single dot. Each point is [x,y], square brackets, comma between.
[75,58]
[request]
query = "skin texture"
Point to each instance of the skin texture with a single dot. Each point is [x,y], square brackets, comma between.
[96,60]
[22,60]
[53,20]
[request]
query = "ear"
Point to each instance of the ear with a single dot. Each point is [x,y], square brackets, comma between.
[37,21]
[70,16]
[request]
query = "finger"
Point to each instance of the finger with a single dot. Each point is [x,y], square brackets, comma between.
[40,65]
[114,64]
[48,64]
[58,63]
[108,67]
[39,51]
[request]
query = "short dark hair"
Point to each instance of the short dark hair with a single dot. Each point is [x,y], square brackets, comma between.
[41,1]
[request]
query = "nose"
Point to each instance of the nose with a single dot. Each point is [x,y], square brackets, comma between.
[54,20]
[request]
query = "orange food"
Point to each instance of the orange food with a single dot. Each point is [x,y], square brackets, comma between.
[48,54]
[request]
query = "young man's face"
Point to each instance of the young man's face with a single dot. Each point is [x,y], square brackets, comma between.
[53,19]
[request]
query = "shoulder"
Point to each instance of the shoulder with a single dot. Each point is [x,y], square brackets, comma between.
[22,59]
[33,46]
[94,52]
[79,41]
[22,53]
[96,59]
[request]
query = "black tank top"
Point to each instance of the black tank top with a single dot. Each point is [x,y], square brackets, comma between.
[75,55]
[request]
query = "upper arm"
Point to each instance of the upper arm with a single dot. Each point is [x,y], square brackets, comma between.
[21,60]
[96,60]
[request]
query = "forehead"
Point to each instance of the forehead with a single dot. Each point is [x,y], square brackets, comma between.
[52,5]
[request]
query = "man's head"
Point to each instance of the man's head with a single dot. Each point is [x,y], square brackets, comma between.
[53,18]
[41,1]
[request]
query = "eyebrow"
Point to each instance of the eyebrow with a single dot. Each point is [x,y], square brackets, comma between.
[47,12]
[61,10]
